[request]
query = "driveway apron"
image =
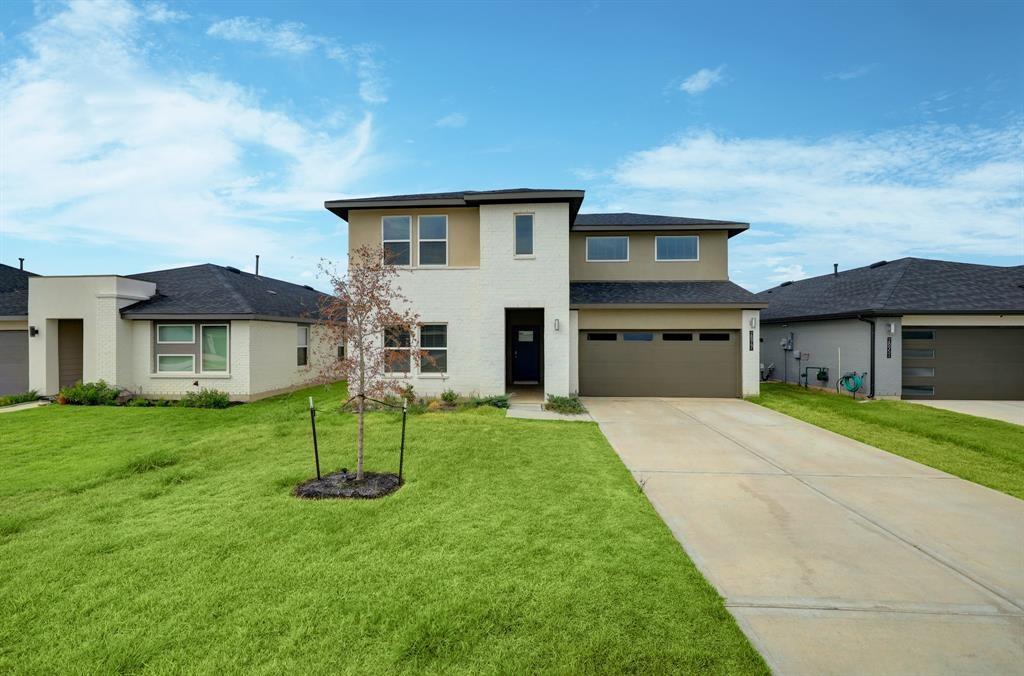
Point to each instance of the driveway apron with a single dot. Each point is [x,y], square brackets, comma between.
[834,557]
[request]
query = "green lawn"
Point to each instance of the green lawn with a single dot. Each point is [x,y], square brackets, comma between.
[988,452]
[165,539]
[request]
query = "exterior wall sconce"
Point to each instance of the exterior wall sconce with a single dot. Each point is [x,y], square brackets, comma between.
[33,332]
[753,322]
[556,323]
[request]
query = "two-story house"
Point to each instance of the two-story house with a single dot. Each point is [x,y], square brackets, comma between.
[517,288]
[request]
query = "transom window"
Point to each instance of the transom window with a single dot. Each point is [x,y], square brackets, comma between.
[396,349]
[918,334]
[639,336]
[714,336]
[171,334]
[602,336]
[396,233]
[433,240]
[434,347]
[524,235]
[302,346]
[676,248]
[911,353]
[214,339]
[677,336]
[607,249]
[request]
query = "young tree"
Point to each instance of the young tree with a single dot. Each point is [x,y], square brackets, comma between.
[369,316]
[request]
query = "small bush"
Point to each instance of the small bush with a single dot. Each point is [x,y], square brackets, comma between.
[497,401]
[570,404]
[205,398]
[435,405]
[408,394]
[21,398]
[162,403]
[138,402]
[89,394]
[449,396]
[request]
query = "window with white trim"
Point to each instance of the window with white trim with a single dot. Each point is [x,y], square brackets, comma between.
[524,235]
[214,349]
[433,239]
[434,348]
[676,248]
[175,334]
[608,249]
[175,363]
[396,234]
[397,343]
[302,351]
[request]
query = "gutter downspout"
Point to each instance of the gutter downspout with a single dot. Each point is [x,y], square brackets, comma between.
[871,388]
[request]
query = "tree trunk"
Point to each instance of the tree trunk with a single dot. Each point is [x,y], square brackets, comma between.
[359,443]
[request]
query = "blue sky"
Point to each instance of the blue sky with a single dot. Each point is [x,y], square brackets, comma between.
[149,135]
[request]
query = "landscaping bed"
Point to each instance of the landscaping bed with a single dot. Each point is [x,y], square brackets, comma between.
[343,484]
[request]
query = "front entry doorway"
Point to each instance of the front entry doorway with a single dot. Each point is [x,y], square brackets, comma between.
[524,346]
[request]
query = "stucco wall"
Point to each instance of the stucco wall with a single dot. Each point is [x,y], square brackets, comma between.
[713,260]
[841,345]
[364,229]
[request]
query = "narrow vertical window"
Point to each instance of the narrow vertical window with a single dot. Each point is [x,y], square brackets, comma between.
[433,240]
[524,235]
[302,353]
[396,235]
[434,345]
[214,338]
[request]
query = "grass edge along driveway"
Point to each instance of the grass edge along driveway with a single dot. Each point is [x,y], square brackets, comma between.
[165,539]
[985,451]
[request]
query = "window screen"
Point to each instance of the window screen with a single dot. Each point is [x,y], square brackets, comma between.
[676,248]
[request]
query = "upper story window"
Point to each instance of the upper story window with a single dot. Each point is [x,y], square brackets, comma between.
[396,234]
[433,239]
[676,248]
[608,249]
[524,235]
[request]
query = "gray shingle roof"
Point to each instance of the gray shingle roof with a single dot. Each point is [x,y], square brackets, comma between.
[661,293]
[214,290]
[631,221]
[14,291]
[904,286]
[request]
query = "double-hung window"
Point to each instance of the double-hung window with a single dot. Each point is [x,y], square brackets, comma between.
[433,240]
[608,249]
[302,346]
[524,235]
[214,353]
[396,233]
[676,248]
[434,348]
[396,349]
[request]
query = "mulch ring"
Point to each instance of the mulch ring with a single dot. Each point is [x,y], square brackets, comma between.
[343,484]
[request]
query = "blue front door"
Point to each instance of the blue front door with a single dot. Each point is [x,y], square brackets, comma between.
[526,354]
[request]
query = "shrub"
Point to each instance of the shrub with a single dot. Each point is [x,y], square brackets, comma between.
[449,396]
[138,402]
[21,398]
[570,404]
[89,394]
[205,398]
[408,394]
[497,401]
[434,405]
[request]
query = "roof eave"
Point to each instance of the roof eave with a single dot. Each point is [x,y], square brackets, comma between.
[669,306]
[732,229]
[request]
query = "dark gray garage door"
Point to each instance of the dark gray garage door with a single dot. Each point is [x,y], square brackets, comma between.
[963,363]
[660,363]
[13,362]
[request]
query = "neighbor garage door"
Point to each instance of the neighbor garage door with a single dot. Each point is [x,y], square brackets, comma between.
[13,362]
[952,362]
[660,363]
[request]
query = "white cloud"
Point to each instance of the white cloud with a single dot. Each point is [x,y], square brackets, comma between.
[158,12]
[702,80]
[785,273]
[291,38]
[101,147]
[452,120]
[852,73]
[853,199]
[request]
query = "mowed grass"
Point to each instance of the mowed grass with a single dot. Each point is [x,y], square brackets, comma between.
[988,452]
[166,540]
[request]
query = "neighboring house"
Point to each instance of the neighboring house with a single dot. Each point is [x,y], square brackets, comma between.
[13,329]
[516,287]
[921,328]
[165,333]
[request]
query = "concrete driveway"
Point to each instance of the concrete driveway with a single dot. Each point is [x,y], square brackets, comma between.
[1007,411]
[834,557]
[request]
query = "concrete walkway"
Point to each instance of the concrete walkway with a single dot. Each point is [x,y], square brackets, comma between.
[1007,411]
[25,406]
[834,557]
